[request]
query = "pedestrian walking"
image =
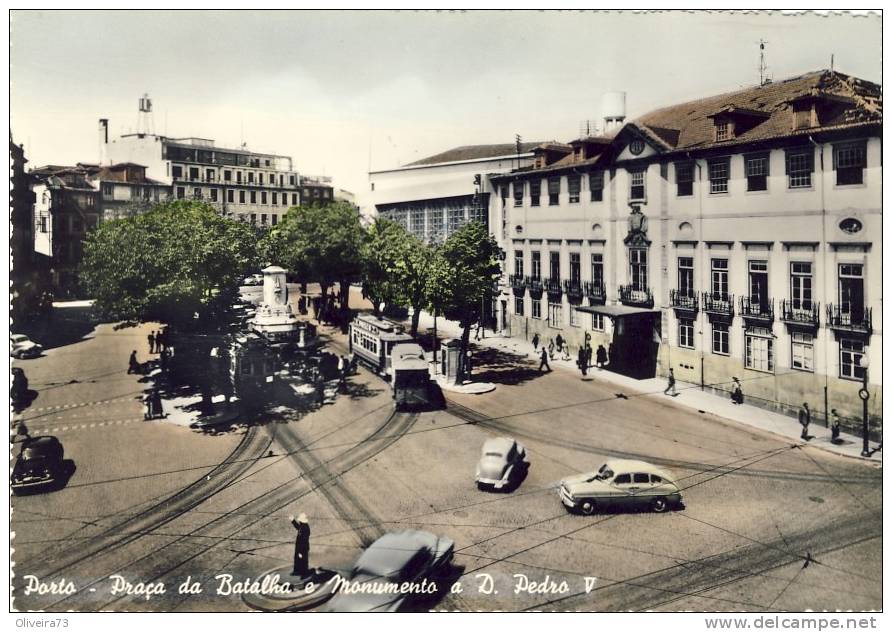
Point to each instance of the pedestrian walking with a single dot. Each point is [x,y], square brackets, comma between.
[601,356]
[588,354]
[559,342]
[671,384]
[543,360]
[736,391]
[581,361]
[551,348]
[565,355]
[535,342]
[164,356]
[834,427]
[301,545]
[133,366]
[804,420]
[151,338]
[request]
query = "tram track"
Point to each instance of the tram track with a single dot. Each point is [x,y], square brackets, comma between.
[249,450]
[179,550]
[476,417]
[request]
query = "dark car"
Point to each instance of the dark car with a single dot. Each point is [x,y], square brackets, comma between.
[39,464]
[403,559]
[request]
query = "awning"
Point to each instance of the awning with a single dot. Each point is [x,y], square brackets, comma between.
[616,311]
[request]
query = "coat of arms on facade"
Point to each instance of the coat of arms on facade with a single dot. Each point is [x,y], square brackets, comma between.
[637,228]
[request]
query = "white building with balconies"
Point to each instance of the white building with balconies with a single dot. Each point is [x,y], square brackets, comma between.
[733,236]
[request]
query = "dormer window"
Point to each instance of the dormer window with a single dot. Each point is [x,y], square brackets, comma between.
[722,130]
[803,116]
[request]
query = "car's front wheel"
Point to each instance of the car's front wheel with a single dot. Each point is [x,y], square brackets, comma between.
[587,507]
[660,505]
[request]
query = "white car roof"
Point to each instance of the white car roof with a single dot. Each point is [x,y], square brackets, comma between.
[498,444]
[630,466]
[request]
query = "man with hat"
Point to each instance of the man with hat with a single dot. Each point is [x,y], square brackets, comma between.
[301,545]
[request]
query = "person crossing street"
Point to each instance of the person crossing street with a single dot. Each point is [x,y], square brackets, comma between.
[543,360]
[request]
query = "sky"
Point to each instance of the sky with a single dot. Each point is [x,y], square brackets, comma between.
[341,92]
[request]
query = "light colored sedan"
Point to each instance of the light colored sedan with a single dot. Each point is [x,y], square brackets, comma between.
[621,484]
[503,464]
[20,346]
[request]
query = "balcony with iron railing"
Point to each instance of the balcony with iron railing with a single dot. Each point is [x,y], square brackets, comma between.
[800,313]
[635,296]
[573,288]
[684,300]
[850,318]
[534,283]
[596,292]
[756,309]
[718,303]
[517,281]
[552,286]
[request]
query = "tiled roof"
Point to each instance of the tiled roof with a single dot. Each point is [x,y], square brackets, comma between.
[690,125]
[473,152]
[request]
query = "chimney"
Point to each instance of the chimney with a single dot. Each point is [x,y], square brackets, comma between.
[103,140]
[613,111]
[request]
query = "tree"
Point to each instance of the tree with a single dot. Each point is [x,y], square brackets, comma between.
[319,243]
[179,259]
[462,278]
[396,266]
[179,264]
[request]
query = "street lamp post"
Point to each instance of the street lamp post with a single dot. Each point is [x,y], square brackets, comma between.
[864,394]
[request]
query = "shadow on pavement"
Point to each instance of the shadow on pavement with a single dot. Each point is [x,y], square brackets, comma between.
[500,367]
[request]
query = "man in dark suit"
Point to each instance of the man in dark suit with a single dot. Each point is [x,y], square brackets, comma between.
[301,545]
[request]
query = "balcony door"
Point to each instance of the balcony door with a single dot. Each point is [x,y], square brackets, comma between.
[851,291]
[759,283]
[638,269]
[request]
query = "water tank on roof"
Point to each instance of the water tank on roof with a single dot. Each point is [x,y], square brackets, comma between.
[613,109]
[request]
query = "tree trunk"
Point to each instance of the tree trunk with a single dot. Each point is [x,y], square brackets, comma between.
[323,289]
[416,314]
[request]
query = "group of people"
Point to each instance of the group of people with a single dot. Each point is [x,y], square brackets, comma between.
[559,345]
[159,341]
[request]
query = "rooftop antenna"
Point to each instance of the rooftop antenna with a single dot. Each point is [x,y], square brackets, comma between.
[517,141]
[763,67]
[831,62]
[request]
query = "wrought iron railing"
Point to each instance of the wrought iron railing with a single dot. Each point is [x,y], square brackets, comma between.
[596,292]
[718,303]
[854,318]
[756,309]
[636,296]
[684,299]
[573,288]
[800,312]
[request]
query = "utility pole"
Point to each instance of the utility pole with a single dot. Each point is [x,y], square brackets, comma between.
[517,148]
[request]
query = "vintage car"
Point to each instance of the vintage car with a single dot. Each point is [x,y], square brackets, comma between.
[253,279]
[391,561]
[621,484]
[39,464]
[20,346]
[503,463]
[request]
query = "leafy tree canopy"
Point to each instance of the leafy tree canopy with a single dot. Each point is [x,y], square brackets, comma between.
[319,243]
[178,259]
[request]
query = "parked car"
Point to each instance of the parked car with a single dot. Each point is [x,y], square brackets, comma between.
[20,346]
[394,558]
[503,463]
[253,279]
[621,483]
[39,464]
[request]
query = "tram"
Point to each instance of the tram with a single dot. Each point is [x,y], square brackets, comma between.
[372,339]
[411,381]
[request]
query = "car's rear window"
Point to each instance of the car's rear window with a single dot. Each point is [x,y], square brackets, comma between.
[655,479]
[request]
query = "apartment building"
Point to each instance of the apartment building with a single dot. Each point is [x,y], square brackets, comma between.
[737,235]
[316,190]
[251,186]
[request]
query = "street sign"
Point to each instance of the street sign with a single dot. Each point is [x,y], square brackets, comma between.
[863,394]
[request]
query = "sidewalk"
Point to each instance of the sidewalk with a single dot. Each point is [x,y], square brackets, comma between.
[689,395]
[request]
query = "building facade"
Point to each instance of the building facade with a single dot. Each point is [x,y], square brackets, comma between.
[316,190]
[250,186]
[435,196]
[66,207]
[733,236]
